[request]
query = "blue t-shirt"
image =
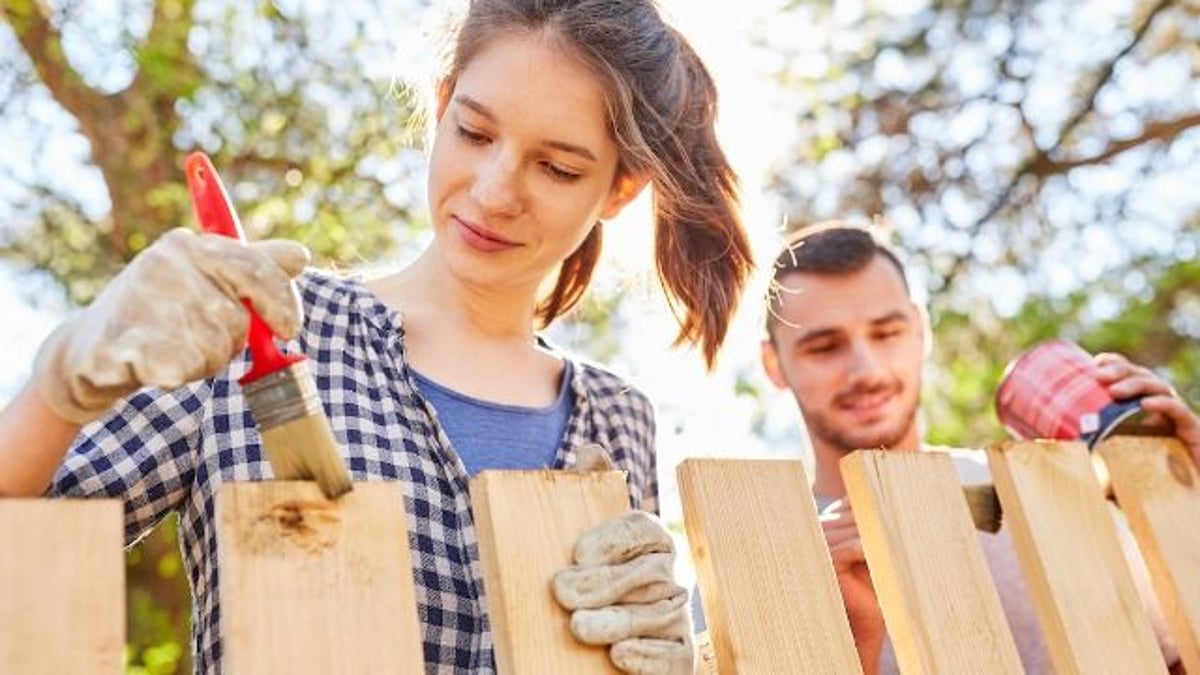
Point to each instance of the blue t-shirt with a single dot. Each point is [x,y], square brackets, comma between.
[490,435]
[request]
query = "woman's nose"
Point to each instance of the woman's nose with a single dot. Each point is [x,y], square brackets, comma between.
[497,186]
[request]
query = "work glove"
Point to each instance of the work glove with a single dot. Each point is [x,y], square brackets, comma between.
[621,591]
[172,316]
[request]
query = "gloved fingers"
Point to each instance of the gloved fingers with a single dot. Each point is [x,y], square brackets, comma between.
[290,256]
[254,273]
[174,315]
[669,618]
[592,457]
[171,365]
[616,541]
[179,345]
[653,657]
[652,592]
[592,587]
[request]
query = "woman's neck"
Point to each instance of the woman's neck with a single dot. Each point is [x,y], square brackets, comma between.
[425,290]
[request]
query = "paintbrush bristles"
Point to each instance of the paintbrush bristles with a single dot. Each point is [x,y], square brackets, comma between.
[984,505]
[296,437]
[305,449]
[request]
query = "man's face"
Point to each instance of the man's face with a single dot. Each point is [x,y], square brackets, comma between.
[850,348]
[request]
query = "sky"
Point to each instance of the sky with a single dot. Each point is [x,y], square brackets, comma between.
[699,414]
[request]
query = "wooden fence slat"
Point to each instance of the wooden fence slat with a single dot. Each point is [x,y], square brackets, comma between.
[770,596]
[62,586]
[939,603]
[310,585]
[1158,487]
[527,523]
[1067,543]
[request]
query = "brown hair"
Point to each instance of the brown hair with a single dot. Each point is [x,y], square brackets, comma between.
[834,248]
[662,106]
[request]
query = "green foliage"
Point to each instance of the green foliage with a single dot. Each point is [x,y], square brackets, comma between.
[294,103]
[1029,164]
[295,106]
[158,605]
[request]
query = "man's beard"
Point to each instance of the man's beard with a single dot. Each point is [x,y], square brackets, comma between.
[848,440]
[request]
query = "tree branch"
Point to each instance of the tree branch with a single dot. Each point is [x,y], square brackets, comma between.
[1164,130]
[1106,75]
[1040,157]
[43,44]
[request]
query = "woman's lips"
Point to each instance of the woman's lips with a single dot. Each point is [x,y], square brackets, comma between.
[482,240]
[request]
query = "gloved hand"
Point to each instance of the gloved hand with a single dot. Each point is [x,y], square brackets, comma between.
[622,592]
[172,316]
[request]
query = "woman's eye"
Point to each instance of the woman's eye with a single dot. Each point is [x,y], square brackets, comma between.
[560,173]
[471,136]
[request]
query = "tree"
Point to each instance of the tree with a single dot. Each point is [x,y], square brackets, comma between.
[1034,159]
[296,106]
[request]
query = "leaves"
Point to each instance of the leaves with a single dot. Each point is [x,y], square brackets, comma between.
[1030,169]
[299,117]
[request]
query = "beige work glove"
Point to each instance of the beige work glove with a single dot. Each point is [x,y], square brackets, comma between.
[172,316]
[621,591]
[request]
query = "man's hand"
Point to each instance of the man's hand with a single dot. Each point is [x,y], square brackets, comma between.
[854,581]
[1160,401]
[174,315]
[622,592]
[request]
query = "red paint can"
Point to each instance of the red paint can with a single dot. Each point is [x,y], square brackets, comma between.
[1052,391]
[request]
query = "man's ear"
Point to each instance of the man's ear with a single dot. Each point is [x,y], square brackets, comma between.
[770,363]
[624,190]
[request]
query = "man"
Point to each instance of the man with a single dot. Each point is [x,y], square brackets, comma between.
[846,339]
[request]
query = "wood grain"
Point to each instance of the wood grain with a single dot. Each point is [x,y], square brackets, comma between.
[310,585]
[1158,487]
[771,599]
[527,523]
[62,586]
[939,603]
[1067,543]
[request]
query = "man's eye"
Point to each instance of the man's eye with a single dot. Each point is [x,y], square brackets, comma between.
[821,348]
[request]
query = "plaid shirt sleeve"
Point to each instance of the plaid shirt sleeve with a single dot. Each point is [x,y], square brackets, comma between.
[620,417]
[144,452]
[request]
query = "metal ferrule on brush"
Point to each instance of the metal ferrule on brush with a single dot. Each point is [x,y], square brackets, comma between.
[283,396]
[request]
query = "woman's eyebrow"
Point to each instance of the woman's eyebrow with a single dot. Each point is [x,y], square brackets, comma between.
[484,111]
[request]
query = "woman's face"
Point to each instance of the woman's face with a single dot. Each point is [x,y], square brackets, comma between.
[523,164]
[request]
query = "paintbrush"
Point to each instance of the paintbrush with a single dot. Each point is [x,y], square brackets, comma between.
[279,388]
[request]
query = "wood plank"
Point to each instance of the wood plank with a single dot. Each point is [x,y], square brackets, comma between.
[1067,543]
[62,586]
[771,599]
[1158,488]
[938,600]
[310,585]
[527,523]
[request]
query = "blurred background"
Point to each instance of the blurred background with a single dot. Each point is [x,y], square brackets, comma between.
[1037,161]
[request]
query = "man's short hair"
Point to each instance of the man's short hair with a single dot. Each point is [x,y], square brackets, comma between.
[833,248]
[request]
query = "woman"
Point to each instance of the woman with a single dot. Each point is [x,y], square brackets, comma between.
[551,116]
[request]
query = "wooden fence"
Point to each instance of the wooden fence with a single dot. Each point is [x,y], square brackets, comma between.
[312,586]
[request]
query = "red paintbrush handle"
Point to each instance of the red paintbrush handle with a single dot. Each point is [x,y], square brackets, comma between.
[216,216]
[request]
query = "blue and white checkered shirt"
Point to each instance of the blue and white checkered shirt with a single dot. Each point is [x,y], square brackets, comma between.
[170,451]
